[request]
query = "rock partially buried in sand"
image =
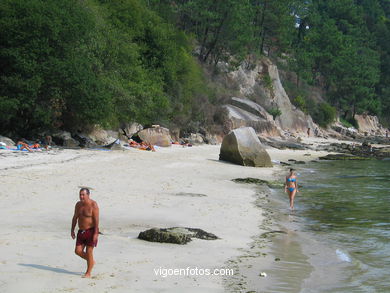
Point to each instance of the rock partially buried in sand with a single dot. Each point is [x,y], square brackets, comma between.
[241,146]
[176,235]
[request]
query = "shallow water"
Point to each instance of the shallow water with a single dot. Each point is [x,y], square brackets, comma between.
[337,239]
[345,207]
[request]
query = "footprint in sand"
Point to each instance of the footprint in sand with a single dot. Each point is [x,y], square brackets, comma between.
[98,277]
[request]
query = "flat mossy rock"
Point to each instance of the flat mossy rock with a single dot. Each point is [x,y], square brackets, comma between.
[341,157]
[250,180]
[175,235]
[383,152]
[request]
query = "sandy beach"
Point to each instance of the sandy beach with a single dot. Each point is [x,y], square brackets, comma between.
[136,190]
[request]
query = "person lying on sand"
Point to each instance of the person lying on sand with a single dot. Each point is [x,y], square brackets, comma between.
[146,147]
[21,145]
[141,146]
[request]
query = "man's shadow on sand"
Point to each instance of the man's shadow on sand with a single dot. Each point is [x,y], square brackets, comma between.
[47,268]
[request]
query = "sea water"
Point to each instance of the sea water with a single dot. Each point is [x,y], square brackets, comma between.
[340,229]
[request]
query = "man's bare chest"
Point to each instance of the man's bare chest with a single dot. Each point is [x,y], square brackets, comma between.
[85,211]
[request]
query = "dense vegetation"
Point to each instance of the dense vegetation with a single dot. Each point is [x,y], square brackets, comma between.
[340,45]
[70,64]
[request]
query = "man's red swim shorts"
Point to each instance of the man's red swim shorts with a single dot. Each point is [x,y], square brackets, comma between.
[85,237]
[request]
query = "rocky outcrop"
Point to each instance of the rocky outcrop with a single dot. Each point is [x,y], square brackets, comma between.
[65,139]
[84,140]
[129,129]
[345,132]
[383,152]
[245,113]
[283,144]
[101,136]
[176,235]
[241,146]
[369,125]
[194,139]
[212,139]
[262,83]
[344,157]
[7,141]
[355,151]
[291,118]
[156,136]
[251,107]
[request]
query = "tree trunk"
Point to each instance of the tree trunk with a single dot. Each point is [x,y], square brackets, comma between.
[262,27]
[203,44]
[214,42]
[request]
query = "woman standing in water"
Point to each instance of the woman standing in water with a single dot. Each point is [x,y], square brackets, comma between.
[291,187]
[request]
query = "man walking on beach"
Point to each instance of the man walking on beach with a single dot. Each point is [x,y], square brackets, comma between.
[86,213]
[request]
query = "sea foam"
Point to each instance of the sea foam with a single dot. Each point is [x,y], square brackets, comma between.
[343,256]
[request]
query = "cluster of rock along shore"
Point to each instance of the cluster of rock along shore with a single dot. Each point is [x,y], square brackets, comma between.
[241,146]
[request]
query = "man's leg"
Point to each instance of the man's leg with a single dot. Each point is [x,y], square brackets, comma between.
[79,250]
[90,261]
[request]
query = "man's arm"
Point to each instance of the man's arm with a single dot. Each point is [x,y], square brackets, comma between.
[74,221]
[95,217]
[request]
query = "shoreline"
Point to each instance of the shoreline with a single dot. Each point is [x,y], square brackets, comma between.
[267,246]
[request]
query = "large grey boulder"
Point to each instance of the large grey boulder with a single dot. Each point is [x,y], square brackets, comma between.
[65,139]
[7,141]
[129,129]
[84,140]
[194,138]
[156,136]
[241,146]
[101,136]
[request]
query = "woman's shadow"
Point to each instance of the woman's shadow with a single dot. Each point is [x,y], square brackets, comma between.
[47,268]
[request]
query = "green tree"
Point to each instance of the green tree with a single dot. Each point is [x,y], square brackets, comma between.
[47,73]
[338,47]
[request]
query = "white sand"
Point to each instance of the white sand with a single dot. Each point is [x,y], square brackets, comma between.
[135,190]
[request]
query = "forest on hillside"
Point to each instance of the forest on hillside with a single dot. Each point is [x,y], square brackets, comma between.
[74,63]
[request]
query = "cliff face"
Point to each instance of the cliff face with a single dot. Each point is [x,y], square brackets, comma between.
[370,125]
[256,89]
[261,84]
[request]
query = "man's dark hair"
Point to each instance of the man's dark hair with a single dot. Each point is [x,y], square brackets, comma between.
[84,189]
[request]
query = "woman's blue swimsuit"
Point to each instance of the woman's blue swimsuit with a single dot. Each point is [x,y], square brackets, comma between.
[291,180]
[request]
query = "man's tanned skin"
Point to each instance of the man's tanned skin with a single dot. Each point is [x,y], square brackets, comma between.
[86,213]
